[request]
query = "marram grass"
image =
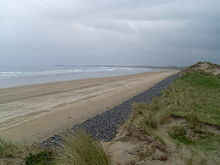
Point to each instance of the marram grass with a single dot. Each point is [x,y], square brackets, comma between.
[82,149]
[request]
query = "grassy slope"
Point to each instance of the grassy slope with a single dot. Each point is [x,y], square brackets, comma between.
[182,117]
[194,94]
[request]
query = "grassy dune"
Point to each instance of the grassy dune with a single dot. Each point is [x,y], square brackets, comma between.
[185,120]
[196,96]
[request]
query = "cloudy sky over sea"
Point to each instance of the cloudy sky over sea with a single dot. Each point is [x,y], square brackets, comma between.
[121,32]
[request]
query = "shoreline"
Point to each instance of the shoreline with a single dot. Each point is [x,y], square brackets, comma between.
[86,78]
[10,82]
[60,105]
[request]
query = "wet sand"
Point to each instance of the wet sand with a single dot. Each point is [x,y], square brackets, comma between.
[33,113]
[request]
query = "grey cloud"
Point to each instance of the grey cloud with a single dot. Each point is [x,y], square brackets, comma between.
[175,32]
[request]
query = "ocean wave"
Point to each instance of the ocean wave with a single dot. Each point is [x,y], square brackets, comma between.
[8,75]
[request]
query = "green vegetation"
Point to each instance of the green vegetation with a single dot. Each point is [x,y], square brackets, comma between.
[82,149]
[151,119]
[45,157]
[14,154]
[187,115]
[200,139]
[180,134]
[148,116]
[196,96]
[6,148]
[201,79]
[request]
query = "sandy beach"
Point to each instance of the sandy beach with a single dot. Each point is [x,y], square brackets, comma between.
[33,113]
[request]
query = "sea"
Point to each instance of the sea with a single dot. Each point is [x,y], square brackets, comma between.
[20,75]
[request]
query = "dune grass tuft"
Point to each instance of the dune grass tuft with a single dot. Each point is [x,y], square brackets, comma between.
[45,157]
[152,119]
[7,149]
[82,149]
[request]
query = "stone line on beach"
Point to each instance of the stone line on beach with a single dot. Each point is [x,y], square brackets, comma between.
[104,126]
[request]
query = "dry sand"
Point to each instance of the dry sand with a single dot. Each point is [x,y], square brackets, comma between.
[33,113]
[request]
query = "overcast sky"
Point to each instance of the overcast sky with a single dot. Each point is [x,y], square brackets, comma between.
[125,32]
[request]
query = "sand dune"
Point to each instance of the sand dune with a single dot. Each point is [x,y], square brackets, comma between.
[33,113]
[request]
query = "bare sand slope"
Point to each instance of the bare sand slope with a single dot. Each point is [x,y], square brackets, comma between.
[32,113]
